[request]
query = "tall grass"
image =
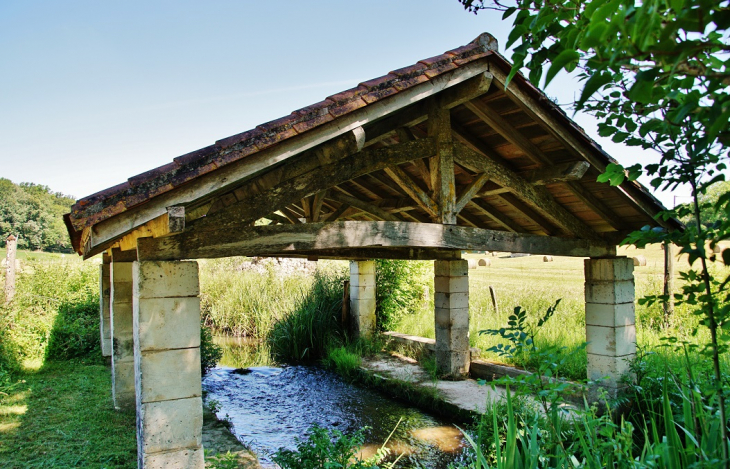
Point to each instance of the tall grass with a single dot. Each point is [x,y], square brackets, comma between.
[313,325]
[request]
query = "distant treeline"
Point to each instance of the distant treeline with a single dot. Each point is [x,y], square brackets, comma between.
[33,213]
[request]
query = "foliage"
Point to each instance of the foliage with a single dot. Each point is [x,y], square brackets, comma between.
[343,361]
[324,449]
[313,325]
[400,289]
[210,353]
[34,214]
[544,384]
[75,332]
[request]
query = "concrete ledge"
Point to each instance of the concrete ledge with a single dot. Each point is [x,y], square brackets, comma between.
[422,343]
[187,458]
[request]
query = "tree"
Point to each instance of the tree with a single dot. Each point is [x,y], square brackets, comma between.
[656,74]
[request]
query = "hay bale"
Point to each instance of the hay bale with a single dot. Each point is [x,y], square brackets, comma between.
[717,249]
[547,258]
[473,263]
[485,262]
[639,261]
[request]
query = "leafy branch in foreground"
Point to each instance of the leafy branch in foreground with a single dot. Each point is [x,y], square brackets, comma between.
[656,74]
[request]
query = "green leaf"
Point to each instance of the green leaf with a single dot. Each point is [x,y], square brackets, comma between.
[726,256]
[594,83]
[564,60]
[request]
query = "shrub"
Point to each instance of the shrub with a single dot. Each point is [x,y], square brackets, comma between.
[210,353]
[324,448]
[75,332]
[401,286]
[314,324]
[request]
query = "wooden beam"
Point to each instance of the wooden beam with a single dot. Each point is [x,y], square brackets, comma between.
[442,164]
[470,191]
[463,136]
[527,212]
[411,188]
[496,216]
[119,255]
[337,213]
[175,219]
[276,217]
[291,216]
[368,207]
[506,130]
[571,171]
[593,203]
[537,197]
[412,254]
[317,205]
[291,191]
[418,112]
[582,147]
[423,172]
[310,237]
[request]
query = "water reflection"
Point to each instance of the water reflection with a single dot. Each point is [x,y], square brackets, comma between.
[270,407]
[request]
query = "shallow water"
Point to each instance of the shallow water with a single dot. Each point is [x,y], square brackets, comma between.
[271,407]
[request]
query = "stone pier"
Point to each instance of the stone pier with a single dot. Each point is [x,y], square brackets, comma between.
[122,335]
[451,285]
[105,325]
[362,297]
[610,320]
[167,365]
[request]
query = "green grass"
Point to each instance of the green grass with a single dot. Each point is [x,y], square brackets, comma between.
[535,285]
[62,417]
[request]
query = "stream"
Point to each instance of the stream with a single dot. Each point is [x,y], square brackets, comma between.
[271,406]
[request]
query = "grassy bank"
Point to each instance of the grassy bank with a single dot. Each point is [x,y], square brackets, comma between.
[61,416]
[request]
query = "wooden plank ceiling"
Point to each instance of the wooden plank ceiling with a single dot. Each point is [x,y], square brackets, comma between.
[519,166]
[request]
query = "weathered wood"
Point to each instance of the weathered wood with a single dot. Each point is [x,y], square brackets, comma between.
[307,207]
[175,219]
[506,130]
[11,245]
[411,188]
[337,213]
[107,231]
[291,216]
[528,213]
[442,164]
[363,254]
[589,151]
[291,191]
[668,304]
[571,171]
[493,295]
[423,172]
[496,216]
[119,255]
[463,136]
[537,197]
[470,191]
[593,203]
[275,217]
[311,237]
[317,205]
[418,112]
[362,205]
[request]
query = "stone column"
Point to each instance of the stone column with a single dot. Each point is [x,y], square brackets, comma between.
[610,327]
[167,365]
[105,326]
[122,336]
[362,297]
[451,286]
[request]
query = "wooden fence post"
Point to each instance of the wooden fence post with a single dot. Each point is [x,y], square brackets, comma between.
[493,294]
[10,245]
[668,281]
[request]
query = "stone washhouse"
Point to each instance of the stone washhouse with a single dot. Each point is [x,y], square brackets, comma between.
[422,163]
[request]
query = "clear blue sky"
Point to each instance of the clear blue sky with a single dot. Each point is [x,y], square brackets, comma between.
[93,92]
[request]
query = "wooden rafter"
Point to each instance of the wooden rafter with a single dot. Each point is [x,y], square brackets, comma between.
[495,215]
[365,206]
[470,191]
[411,188]
[527,212]
[537,197]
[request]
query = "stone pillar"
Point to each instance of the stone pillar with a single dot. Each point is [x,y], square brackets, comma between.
[610,327]
[122,336]
[167,365]
[451,286]
[362,297]
[105,326]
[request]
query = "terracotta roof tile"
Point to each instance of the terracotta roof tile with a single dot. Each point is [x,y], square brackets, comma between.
[147,176]
[471,58]
[223,158]
[306,124]
[195,156]
[101,195]
[347,107]
[344,97]
[242,138]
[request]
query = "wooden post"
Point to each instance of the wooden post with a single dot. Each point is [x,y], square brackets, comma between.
[11,245]
[668,282]
[493,294]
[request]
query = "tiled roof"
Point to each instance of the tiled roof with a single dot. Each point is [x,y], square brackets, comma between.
[138,189]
